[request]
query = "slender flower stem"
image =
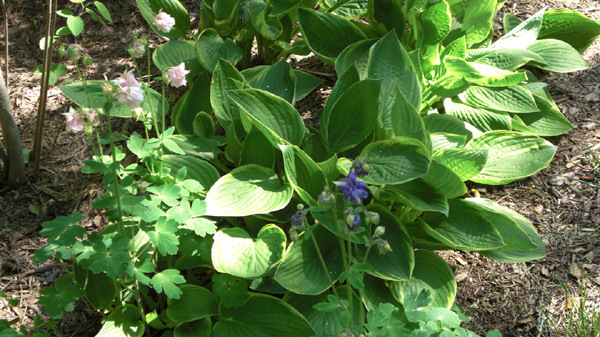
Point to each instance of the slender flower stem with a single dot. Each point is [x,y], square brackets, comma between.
[348,286]
[312,236]
[115,175]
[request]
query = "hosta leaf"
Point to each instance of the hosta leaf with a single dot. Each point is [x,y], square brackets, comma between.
[520,255]
[395,161]
[348,79]
[523,35]
[190,104]
[247,190]
[166,281]
[548,122]
[504,58]
[175,52]
[355,55]
[358,103]
[478,20]
[465,163]
[201,171]
[389,13]
[466,227]
[200,327]
[435,21]
[571,27]
[273,116]
[511,156]
[558,56]
[194,303]
[225,77]
[236,253]
[509,99]
[449,124]
[416,194]
[256,317]
[482,119]
[301,271]
[445,181]
[390,63]
[304,174]
[398,264]
[231,290]
[327,34]
[278,79]
[442,140]
[150,8]
[265,25]
[406,120]
[431,273]
[256,149]
[210,48]
[376,292]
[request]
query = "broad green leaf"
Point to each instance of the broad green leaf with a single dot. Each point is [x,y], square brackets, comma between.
[509,99]
[406,120]
[416,194]
[465,163]
[442,140]
[449,124]
[395,161]
[435,22]
[305,84]
[389,13]
[466,227]
[100,290]
[64,229]
[558,56]
[225,77]
[327,34]
[75,24]
[376,292]
[235,252]
[482,74]
[247,190]
[256,149]
[353,116]
[326,323]
[504,58]
[206,149]
[389,62]
[478,19]
[349,78]
[352,9]
[201,171]
[267,26]
[175,52]
[210,48]
[548,122]
[301,270]
[278,79]
[194,303]
[97,100]
[398,264]
[262,316]
[103,10]
[482,119]
[190,104]
[150,8]
[231,290]
[523,35]
[445,181]
[514,256]
[283,6]
[571,27]
[129,326]
[510,21]
[193,329]
[431,273]
[511,156]
[203,125]
[304,174]
[272,115]
[355,55]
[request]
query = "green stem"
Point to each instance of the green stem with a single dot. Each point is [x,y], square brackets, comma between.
[115,175]
[312,236]
[349,264]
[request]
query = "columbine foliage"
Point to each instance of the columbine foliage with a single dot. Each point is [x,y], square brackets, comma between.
[239,220]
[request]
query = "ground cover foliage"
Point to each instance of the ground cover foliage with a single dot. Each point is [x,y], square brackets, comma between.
[220,196]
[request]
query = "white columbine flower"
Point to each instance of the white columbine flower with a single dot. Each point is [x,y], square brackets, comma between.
[176,75]
[130,93]
[74,120]
[163,21]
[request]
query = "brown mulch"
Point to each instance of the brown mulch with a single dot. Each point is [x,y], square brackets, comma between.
[562,201]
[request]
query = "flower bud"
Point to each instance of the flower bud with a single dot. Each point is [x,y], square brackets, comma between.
[137,49]
[300,207]
[88,131]
[324,198]
[86,59]
[361,168]
[352,221]
[62,50]
[92,117]
[107,89]
[142,186]
[373,218]
[293,235]
[379,231]
[138,113]
[384,247]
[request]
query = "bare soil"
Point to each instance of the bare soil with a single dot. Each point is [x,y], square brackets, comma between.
[562,201]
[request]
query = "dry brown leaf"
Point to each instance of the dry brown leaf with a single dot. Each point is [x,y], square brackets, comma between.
[574,270]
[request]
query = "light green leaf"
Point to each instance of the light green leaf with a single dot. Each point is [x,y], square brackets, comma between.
[103,10]
[198,169]
[511,156]
[523,35]
[194,303]
[166,281]
[327,34]
[210,48]
[465,163]
[75,24]
[225,77]
[175,52]
[301,271]
[571,27]
[442,140]
[247,190]
[431,273]
[482,119]
[256,149]
[190,104]
[273,116]
[558,56]
[304,174]
[548,122]
[504,58]
[257,316]
[163,238]
[445,181]
[150,8]
[509,99]
[416,194]
[267,26]
[236,253]
[435,22]
[395,161]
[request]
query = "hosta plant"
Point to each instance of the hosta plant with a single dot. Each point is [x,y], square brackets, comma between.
[234,218]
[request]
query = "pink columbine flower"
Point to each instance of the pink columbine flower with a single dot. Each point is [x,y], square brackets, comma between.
[92,117]
[138,49]
[75,51]
[163,21]
[176,75]
[130,93]
[74,120]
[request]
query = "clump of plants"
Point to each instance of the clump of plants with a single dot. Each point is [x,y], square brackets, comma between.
[236,219]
